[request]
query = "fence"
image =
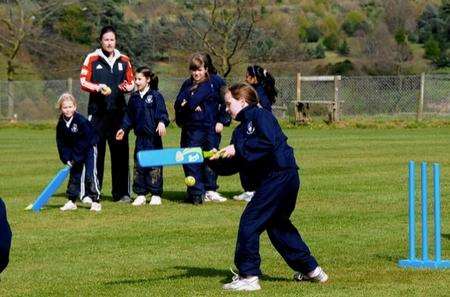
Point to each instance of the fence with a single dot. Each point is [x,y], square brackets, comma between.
[421,95]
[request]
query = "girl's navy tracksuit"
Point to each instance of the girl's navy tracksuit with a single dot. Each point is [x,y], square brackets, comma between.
[143,115]
[261,146]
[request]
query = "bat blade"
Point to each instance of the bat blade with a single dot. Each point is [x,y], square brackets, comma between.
[170,156]
[50,189]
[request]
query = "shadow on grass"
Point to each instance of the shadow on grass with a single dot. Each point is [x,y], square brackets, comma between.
[390,258]
[192,271]
[446,236]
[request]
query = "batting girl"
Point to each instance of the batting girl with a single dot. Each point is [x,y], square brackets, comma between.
[258,142]
[196,112]
[147,115]
[264,84]
[76,141]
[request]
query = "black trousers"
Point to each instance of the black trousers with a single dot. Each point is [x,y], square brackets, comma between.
[83,178]
[106,127]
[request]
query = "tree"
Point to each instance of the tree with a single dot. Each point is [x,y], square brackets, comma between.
[21,26]
[221,28]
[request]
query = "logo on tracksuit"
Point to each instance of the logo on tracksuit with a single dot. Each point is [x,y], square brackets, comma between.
[74,128]
[149,99]
[250,128]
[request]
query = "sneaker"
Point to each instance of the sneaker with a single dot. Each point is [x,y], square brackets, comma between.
[246,196]
[155,200]
[238,283]
[124,199]
[87,200]
[95,206]
[140,200]
[214,196]
[317,276]
[68,206]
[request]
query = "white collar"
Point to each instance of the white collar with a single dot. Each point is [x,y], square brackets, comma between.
[144,91]
[69,121]
[108,60]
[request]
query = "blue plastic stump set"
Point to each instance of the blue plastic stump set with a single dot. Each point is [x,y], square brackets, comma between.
[424,262]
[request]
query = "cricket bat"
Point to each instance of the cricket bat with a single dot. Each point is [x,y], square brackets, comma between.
[172,156]
[50,189]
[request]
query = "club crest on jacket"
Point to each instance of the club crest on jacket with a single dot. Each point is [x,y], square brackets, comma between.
[74,128]
[250,128]
[149,99]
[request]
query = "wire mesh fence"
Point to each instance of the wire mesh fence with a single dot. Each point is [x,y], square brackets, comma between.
[359,96]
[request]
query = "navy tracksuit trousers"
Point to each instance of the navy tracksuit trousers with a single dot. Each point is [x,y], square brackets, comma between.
[90,187]
[148,179]
[206,179]
[270,210]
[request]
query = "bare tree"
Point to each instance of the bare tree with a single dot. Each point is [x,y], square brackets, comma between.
[223,29]
[21,21]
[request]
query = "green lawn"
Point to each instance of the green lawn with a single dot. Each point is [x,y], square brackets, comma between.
[352,211]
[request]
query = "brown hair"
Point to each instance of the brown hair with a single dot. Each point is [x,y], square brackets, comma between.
[65,97]
[244,91]
[198,60]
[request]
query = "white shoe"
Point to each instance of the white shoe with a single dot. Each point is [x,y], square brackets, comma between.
[87,200]
[246,196]
[214,196]
[238,283]
[140,200]
[95,206]
[68,206]
[317,276]
[155,200]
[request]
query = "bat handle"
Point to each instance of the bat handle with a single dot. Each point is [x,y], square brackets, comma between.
[208,154]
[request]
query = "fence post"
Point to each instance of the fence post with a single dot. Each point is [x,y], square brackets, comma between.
[10,96]
[335,108]
[69,85]
[422,90]
[299,92]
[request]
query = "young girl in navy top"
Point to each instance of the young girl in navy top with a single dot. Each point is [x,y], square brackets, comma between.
[197,113]
[259,143]
[76,141]
[147,115]
[264,84]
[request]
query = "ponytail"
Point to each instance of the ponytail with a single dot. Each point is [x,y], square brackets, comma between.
[147,72]
[265,79]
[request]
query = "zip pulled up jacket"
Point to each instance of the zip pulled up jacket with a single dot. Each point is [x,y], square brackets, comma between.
[74,141]
[205,95]
[144,114]
[98,69]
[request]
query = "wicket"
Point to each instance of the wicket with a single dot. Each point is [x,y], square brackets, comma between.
[425,262]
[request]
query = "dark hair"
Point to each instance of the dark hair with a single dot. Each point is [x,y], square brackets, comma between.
[209,64]
[198,60]
[147,72]
[244,90]
[107,29]
[265,79]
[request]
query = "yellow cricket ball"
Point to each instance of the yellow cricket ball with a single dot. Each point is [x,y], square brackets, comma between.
[189,181]
[106,90]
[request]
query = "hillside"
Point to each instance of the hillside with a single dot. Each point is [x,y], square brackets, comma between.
[314,37]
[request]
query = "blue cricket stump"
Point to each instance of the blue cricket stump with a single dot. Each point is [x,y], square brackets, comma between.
[425,262]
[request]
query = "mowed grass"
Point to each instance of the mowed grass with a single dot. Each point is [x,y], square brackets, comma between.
[352,211]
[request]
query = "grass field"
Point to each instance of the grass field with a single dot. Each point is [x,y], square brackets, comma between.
[352,211]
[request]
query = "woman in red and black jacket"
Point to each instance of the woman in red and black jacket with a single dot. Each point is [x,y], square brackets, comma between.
[107,74]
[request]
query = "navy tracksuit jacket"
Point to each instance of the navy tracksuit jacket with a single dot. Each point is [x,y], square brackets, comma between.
[143,115]
[106,114]
[261,145]
[198,127]
[5,237]
[264,101]
[248,184]
[77,144]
